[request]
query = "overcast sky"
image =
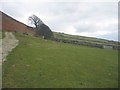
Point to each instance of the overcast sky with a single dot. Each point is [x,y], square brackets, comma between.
[93,18]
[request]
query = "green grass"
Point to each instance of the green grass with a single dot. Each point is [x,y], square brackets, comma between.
[2,34]
[45,64]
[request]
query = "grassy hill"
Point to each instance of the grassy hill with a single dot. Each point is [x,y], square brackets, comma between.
[87,40]
[39,63]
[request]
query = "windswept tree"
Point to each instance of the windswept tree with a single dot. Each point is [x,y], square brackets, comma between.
[35,21]
[40,28]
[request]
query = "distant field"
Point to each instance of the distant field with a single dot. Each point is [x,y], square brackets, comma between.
[86,39]
[38,63]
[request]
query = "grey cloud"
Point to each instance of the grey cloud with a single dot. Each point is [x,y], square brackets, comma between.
[112,36]
[85,28]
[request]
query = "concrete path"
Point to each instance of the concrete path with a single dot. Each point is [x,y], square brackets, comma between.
[7,44]
[0,51]
[0,64]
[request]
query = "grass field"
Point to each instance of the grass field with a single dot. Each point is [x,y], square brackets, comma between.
[40,63]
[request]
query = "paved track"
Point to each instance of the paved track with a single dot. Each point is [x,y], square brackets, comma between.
[6,45]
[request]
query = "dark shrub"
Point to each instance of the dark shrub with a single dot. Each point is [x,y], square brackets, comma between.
[44,30]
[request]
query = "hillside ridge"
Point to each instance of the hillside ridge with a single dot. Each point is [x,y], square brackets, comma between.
[12,25]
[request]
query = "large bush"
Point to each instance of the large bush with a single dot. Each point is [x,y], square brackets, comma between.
[44,30]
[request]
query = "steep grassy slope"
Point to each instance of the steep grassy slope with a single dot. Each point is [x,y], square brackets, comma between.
[40,63]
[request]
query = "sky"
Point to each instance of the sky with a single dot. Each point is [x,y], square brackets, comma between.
[92,18]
